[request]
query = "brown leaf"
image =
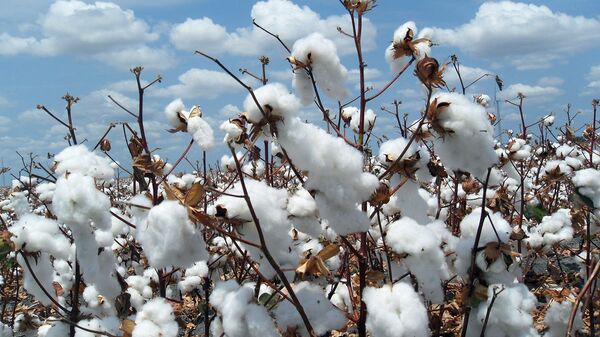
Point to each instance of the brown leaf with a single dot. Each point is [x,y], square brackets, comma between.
[194,195]
[127,327]
[375,276]
[58,289]
[329,251]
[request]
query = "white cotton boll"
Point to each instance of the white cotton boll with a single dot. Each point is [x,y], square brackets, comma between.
[548,120]
[241,318]
[274,97]
[396,311]
[63,274]
[172,112]
[483,100]
[397,64]
[270,208]
[323,315]
[467,142]
[557,316]
[18,203]
[45,191]
[510,315]
[468,227]
[565,150]
[321,55]
[201,132]
[553,228]
[302,204]
[425,257]
[228,162]
[42,268]
[76,202]
[232,131]
[336,173]
[108,324]
[156,319]
[408,201]
[254,168]
[34,233]
[519,149]
[587,182]
[556,167]
[78,159]
[58,329]
[369,121]
[341,296]
[169,238]
[96,303]
[193,277]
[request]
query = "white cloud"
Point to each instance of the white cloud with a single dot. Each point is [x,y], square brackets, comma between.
[593,86]
[200,84]
[281,17]
[229,110]
[533,93]
[102,30]
[4,102]
[526,35]
[550,81]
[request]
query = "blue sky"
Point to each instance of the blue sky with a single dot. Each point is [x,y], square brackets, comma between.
[549,50]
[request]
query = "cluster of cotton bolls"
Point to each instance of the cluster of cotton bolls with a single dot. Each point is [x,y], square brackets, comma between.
[351,115]
[317,55]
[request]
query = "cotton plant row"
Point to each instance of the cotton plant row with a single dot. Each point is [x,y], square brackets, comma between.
[304,229]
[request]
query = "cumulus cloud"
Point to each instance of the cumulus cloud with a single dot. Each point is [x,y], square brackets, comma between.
[102,30]
[593,86]
[281,17]
[533,93]
[527,36]
[200,84]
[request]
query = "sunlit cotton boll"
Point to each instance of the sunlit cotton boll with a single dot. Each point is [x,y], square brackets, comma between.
[320,54]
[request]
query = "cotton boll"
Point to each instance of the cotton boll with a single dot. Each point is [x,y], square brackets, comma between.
[42,268]
[58,329]
[396,64]
[468,227]
[270,208]
[557,316]
[395,311]
[425,258]
[96,303]
[369,121]
[45,191]
[519,149]
[464,134]
[548,120]
[201,132]
[408,201]
[156,319]
[76,202]
[5,330]
[63,275]
[34,233]
[172,112]
[193,277]
[107,324]
[336,173]
[303,211]
[323,315]
[240,317]
[587,182]
[320,54]
[254,169]
[232,131]
[169,238]
[78,159]
[510,315]
[275,99]
[552,229]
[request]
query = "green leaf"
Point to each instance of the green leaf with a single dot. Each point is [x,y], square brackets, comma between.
[536,212]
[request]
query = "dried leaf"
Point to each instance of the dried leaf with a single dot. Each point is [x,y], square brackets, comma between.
[195,195]
[127,327]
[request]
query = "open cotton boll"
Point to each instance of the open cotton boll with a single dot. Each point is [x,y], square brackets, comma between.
[228,162]
[468,227]
[510,315]
[552,229]
[232,131]
[169,237]
[96,304]
[336,173]
[369,121]
[34,233]
[303,211]
[78,159]
[106,324]
[254,168]
[77,201]
[5,330]
[519,149]
[98,264]
[240,317]
[42,268]
[156,319]
[408,201]
[270,208]
[323,315]
[320,54]
[63,274]
[201,132]
[425,257]
[58,329]
[193,277]
[397,63]
[587,182]
[172,112]
[275,99]
[464,134]
[395,311]
[45,191]
[557,316]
